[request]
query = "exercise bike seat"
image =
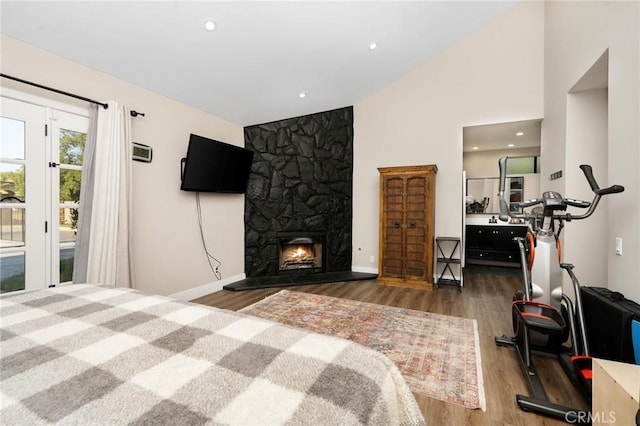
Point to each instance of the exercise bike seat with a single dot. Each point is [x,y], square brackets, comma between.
[540,317]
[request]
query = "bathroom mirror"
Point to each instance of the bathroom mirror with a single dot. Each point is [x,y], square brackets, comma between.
[482,194]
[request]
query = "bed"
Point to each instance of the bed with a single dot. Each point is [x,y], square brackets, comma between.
[84,354]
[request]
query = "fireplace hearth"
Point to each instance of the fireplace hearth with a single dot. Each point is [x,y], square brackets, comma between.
[291,280]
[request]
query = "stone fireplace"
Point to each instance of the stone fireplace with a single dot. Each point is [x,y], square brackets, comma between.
[301,252]
[301,180]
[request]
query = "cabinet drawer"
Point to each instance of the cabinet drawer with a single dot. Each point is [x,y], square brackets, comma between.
[492,257]
[480,254]
[507,256]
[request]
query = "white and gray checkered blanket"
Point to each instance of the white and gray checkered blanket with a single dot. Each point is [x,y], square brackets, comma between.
[83,354]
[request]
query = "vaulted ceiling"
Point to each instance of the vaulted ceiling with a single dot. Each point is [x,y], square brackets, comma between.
[261,57]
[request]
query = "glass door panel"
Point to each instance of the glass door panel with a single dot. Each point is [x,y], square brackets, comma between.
[12,273]
[22,196]
[68,225]
[66,264]
[69,137]
[12,229]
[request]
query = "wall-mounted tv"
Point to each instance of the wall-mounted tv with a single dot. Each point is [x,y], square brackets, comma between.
[214,166]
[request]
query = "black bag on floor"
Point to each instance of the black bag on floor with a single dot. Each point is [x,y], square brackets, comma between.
[607,316]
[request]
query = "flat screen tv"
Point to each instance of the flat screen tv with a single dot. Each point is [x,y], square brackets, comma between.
[214,166]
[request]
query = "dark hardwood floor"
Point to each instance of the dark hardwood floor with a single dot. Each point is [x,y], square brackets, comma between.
[486,298]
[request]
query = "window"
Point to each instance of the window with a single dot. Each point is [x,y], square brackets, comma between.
[522,165]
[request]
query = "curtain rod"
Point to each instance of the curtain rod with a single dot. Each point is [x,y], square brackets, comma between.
[51,89]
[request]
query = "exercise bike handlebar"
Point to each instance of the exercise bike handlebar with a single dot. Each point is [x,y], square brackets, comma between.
[588,173]
[504,208]
[506,213]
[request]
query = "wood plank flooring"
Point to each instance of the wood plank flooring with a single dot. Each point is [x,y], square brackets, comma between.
[486,298]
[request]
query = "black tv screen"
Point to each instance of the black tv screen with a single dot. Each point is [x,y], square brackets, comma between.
[214,166]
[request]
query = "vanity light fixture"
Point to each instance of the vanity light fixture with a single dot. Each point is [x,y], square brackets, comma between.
[511,145]
[519,133]
[209,25]
[475,148]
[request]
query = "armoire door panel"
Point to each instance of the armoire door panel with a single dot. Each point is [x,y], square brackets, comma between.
[416,271]
[415,215]
[415,207]
[415,248]
[394,235]
[393,267]
[417,181]
[394,218]
[415,230]
[415,255]
[394,203]
[416,198]
[394,251]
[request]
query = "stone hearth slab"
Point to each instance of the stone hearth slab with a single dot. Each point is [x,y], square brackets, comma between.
[293,280]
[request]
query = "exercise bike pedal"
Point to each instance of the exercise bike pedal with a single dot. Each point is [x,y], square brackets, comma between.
[582,363]
[540,317]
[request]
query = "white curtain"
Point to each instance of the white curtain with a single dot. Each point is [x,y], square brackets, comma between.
[103,246]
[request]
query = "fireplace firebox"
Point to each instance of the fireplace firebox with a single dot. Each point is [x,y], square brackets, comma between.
[301,252]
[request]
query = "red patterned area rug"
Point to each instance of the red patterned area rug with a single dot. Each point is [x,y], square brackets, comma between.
[438,355]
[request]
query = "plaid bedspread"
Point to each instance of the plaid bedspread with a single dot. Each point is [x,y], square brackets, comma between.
[83,354]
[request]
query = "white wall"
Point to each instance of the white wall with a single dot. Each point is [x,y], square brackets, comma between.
[493,76]
[586,143]
[167,251]
[576,35]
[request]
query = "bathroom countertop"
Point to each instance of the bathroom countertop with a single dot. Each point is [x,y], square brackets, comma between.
[476,219]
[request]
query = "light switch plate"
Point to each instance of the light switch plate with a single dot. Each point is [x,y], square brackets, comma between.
[619,246]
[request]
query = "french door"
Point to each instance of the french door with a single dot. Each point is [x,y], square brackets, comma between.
[41,152]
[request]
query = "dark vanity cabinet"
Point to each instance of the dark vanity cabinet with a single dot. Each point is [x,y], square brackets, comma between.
[493,245]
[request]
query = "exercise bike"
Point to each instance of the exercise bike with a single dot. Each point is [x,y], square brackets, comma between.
[544,318]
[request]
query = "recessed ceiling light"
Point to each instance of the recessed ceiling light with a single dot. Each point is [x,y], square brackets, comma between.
[302,95]
[511,145]
[209,25]
[519,133]
[475,148]
[372,46]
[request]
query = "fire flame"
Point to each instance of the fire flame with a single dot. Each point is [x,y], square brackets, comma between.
[300,252]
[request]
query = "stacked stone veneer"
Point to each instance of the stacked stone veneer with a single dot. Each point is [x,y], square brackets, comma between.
[301,180]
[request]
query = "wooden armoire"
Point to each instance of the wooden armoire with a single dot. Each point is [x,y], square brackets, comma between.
[407,218]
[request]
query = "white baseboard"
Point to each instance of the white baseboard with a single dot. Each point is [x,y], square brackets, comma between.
[203,290]
[365,269]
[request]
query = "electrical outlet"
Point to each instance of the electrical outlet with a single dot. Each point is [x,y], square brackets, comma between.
[372,259]
[619,246]
[216,270]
